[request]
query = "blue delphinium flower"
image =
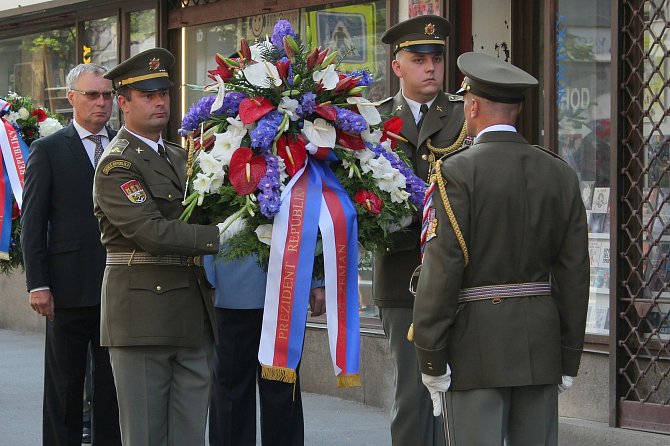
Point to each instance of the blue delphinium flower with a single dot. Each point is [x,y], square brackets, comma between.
[231,103]
[282,28]
[366,78]
[266,130]
[413,184]
[199,112]
[269,199]
[306,105]
[350,121]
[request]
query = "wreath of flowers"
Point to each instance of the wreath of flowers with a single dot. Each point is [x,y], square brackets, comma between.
[277,104]
[31,122]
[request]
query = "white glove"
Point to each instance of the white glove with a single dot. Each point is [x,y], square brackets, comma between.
[566,383]
[436,385]
[230,228]
[402,224]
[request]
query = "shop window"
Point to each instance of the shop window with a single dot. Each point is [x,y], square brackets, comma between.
[583,70]
[354,30]
[142,31]
[35,66]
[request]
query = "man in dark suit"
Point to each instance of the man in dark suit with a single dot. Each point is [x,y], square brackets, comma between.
[501,302]
[65,260]
[157,312]
[432,124]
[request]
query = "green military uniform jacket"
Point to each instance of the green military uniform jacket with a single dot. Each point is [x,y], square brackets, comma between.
[137,198]
[393,266]
[523,220]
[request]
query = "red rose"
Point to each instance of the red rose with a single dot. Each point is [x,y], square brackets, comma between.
[369,200]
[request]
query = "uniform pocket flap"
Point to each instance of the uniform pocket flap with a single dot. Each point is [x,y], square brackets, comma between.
[158,284]
[164,191]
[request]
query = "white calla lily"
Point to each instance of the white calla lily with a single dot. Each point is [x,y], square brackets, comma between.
[264,233]
[366,109]
[328,77]
[320,133]
[262,74]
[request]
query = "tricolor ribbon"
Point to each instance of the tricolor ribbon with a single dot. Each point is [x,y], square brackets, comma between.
[14,152]
[427,203]
[313,200]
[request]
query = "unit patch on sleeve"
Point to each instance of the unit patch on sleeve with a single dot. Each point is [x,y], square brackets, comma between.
[134,191]
[123,164]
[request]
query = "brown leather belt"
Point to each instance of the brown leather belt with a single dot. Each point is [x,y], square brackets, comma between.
[143,258]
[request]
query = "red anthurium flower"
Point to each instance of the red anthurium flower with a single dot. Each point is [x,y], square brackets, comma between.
[293,151]
[252,109]
[349,140]
[40,113]
[246,170]
[326,111]
[369,200]
[392,129]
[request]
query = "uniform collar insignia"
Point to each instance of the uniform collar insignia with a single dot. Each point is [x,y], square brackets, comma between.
[398,108]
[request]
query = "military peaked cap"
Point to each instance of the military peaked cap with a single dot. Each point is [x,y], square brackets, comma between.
[146,71]
[492,78]
[424,34]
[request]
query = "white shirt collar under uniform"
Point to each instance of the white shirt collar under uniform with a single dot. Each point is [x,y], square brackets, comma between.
[415,107]
[147,141]
[498,128]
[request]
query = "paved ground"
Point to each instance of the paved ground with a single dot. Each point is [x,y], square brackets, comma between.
[329,421]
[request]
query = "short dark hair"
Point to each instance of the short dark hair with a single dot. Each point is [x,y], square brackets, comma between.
[124,91]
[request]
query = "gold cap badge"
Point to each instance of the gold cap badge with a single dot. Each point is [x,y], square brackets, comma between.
[154,63]
[429,29]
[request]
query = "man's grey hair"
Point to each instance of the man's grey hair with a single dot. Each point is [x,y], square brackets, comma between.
[75,73]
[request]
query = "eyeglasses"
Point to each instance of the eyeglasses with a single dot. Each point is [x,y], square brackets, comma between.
[94,95]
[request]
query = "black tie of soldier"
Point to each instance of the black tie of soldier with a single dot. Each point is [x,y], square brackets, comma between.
[97,139]
[423,110]
[162,153]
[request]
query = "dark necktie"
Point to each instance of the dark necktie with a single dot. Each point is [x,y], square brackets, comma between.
[97,139]
[423,110]
[163,153]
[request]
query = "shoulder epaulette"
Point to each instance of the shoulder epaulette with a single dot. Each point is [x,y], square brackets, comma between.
[118,146]
[450,154]
[555,155]
[455,98]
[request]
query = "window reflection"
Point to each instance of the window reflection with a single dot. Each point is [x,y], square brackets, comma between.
[583,70]
[35,65]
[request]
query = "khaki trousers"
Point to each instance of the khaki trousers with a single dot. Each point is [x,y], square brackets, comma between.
[163,393]
[523,416]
